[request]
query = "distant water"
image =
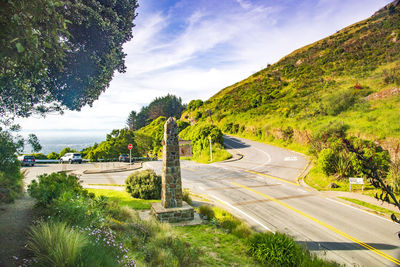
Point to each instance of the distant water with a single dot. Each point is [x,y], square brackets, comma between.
[56,144]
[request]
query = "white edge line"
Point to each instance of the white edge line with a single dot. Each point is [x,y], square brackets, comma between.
[253,219]
[262,151]
[347,205]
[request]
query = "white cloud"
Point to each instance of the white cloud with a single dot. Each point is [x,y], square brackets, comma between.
[197,54]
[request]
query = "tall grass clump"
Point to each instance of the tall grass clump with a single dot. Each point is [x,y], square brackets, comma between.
[278,249]
[55,244]
[186,196]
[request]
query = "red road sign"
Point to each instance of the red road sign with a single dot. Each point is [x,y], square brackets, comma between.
[130,146]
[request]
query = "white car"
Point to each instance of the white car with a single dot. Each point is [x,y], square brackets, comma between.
[71,158]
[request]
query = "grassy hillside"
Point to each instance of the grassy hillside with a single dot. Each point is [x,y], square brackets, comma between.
[351,77]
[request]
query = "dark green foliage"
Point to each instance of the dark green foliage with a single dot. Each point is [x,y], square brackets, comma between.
[207,211]
[37,69]
[11,184]
[277,249]
[52,186]
[200,135]
[166,106]
[144,184]
[116,143]
[39,155]
[53,155]
[131,121]
[195,104]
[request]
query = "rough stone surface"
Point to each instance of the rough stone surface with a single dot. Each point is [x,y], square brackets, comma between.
[171,209]
[171,192]
[172,215]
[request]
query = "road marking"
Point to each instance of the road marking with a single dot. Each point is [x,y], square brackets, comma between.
[242,212]
[380,253]
[273,177]
[262,151]
[290,159]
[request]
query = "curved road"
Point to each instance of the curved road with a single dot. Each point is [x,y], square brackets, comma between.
[262,189]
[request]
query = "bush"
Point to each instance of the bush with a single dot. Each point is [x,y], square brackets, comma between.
[144,184]
[275,249]
[339,101]
[55,244]
[207,211]
[52,186]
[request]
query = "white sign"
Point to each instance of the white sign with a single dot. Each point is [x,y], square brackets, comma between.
[353,180]
[356,180]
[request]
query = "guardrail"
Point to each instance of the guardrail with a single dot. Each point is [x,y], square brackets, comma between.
[100,160]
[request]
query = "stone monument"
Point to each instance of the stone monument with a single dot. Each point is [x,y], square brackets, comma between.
[172,208]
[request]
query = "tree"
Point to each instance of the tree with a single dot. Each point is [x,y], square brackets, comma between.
[131,121]
[34,142]
[167,106]
[59,54]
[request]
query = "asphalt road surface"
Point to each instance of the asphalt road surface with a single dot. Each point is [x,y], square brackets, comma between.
[262,189]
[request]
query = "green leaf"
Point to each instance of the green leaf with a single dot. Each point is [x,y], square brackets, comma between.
[20,48]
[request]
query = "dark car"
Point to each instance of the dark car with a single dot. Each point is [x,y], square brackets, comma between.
[124,157]
[27,160]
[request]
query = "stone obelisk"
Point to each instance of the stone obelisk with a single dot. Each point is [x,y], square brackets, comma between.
[172,208]
[171,191]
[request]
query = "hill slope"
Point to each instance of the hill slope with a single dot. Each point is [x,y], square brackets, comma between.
[352,77]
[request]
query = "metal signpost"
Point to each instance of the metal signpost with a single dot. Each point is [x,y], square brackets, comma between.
[130,155]
[209,137]
[353,180]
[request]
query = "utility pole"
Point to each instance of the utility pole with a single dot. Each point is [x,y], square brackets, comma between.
[209,137]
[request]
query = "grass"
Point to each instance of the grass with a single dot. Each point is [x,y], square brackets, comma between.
[218,247]
[375,208]
[124,199]
[108,184]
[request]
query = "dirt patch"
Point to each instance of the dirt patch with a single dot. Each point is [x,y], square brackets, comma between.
[384,94]
[15,219]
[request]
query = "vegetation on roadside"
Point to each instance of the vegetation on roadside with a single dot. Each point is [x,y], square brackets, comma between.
[201,134]
[375,208]
[145,184]
[327,97]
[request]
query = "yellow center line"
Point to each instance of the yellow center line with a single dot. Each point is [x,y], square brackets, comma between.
[273,177]
[380,253]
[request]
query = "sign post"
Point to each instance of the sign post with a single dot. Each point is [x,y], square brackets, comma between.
[209,137]
[353,180]
[130,155]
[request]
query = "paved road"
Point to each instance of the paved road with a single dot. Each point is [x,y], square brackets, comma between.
[261,189]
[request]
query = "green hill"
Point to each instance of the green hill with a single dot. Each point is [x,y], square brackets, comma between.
[350,78]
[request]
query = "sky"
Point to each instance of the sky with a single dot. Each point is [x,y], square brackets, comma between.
[195,48]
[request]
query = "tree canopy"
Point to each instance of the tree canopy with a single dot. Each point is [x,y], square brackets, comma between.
[166,106]
[59,54]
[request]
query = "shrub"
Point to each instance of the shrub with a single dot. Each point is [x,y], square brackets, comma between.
[275,249]
[144,184]
[77,209]
[207,211]
[186,196]
[55,244]
[51,186]
[327,161]
[394,174]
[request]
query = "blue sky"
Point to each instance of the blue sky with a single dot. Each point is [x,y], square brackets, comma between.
[194,48]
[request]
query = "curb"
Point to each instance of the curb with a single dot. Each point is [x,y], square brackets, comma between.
[113,170]
[240,156]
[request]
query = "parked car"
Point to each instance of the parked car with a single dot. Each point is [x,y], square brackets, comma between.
[71,158]
[124,157]
[27,160]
